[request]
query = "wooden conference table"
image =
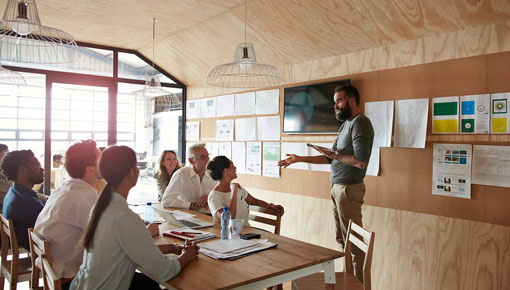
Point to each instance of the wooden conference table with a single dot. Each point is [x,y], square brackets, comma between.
[292,259]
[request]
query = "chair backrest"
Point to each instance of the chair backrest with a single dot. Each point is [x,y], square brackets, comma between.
[9,242]
[50,280]
[266,216]
[363,240]
[38,248]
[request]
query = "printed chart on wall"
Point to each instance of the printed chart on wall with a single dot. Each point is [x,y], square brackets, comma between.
[193,109]
[253,158]
[208,108]
[411,123]
[270,158]
[445,115]
[451,175]
[474,114]
[381,117]
[500,114]
[491,165]
[224,130]
[193,131]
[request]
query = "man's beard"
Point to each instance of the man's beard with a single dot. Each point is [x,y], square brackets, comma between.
[36,179]
[343,113]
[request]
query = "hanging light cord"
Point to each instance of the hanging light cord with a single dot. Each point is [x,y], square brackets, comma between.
[245,21]
[153,36]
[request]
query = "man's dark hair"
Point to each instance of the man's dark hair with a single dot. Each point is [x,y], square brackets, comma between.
[79,156]
[350,92]
[3,147]
[12,162]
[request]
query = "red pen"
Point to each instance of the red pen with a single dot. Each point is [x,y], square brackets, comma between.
[182,234]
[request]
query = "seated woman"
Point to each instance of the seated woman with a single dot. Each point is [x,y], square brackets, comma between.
[168,164]
[116,241]
[231,195]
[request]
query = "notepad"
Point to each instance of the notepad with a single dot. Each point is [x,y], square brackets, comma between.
[225,246]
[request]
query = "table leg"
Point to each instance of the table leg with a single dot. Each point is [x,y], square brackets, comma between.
[329,274]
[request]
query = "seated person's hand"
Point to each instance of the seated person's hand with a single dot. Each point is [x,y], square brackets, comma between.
[202,201]
[153,229]
[189,253]
[278,208]
[176,249]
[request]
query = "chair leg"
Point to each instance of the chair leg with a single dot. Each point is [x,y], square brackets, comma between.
[13,284]
[2,281]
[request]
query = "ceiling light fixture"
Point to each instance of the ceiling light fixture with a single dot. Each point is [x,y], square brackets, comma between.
[11,77]
[24,39]
[244,71]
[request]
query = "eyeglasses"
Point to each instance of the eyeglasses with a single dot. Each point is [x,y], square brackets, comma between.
[203,156]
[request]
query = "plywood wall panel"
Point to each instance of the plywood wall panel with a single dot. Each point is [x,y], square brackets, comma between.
[498,73]
[496,205]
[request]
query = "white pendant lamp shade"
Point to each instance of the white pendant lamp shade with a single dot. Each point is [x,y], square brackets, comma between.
[11,77]
[24,39]
[244,71]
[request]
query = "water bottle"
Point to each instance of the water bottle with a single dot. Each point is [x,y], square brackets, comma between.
[225,224]
[149,213]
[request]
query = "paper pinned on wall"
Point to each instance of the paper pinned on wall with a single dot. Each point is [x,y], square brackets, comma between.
[451,172]
[295,148]
[193,131]
[270,158]
[225,106]
[212,148]
[500,114]
[193,109]
[381,117]
[474,114]
[224,130]
[313,152]
[268,128]
[267,102]
[245,104]
[225,149]
[445,115]
[208,108]
[239,156]
[246,129]
[491,165]
[253,158]
[411,123]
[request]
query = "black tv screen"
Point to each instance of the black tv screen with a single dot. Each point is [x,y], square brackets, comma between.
[310,109]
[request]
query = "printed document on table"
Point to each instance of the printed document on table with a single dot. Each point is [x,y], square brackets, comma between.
[193,109]
[268,128]
[500,114]
[313,152]
[267,102]
[212,148]
[474,114]
[253,158]
[270,158]
[491,165]
[225,149]
[381,117]
[246,129]
[295,148]
[451,172]
[411,123]
[239,156]
[224,130]
[193,131]
[225,106]
[208,108]
[445,115]
[245,104]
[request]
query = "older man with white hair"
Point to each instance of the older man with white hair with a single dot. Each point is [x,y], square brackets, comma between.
[190,186]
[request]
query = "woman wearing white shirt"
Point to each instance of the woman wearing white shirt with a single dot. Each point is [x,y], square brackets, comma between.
[116,241]
[231,195]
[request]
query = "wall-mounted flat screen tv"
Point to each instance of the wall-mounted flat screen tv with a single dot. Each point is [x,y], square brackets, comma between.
[310,109]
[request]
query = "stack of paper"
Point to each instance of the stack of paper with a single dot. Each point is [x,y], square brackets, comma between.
[189,234]
[233,248]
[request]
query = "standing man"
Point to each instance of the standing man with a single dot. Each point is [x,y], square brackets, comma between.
[190,186]
[21,204]
[352,148]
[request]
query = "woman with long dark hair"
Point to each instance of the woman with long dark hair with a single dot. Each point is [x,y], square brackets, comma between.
[168,164]
[116,241]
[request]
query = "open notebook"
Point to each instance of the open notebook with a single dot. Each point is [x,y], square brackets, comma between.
[192,223]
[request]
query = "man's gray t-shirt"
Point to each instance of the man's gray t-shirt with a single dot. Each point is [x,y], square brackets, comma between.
[355,137]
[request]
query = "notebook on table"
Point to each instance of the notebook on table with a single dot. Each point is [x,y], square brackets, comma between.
[191,223]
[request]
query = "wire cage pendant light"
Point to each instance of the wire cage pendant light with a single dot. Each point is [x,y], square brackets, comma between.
[244,71]
[11,77]
[24,39]
[152,94]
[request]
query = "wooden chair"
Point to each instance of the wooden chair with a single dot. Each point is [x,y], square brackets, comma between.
[346,280]
[16,269]
[50,280]
[38,247]
[269,217]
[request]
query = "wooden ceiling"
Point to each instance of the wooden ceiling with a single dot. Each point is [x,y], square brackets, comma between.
[194,35]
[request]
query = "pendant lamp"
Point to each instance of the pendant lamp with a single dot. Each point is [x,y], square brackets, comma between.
[24,39]
[244,71]
[11,77]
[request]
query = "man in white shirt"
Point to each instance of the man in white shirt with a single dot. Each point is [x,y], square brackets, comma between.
[65,216]
[190,186]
